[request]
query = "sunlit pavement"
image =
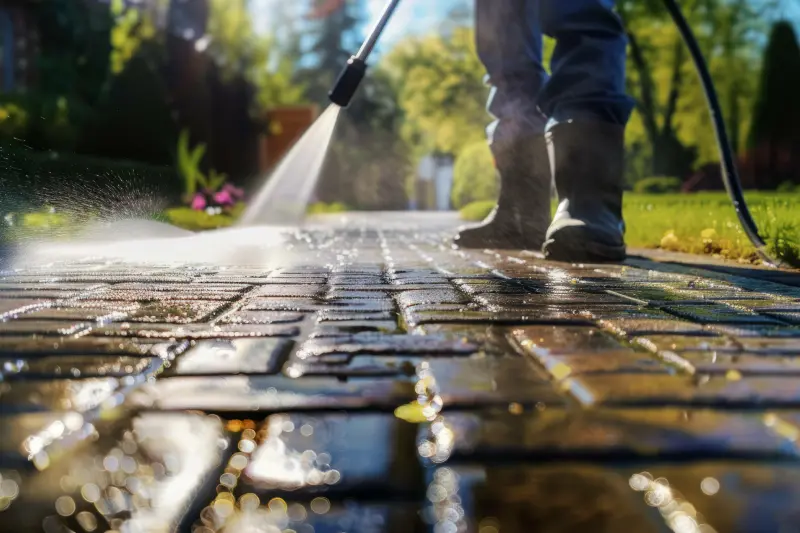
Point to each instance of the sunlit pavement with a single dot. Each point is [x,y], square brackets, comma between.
[375,379]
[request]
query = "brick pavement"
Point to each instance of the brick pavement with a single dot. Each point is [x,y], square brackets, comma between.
[380,380]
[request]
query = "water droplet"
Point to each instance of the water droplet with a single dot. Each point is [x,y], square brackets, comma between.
[90,492]
[320,505]
[709,486]
[87,520]
[639,482]
[249,502]
[436,493]
[9,489]
[223,508]
[247,445]
[65,506]
[277,505]
[297,513]
[238,461]
[332,477]
[227,480]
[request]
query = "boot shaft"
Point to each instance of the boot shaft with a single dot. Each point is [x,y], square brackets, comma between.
[523,167]
[587,161]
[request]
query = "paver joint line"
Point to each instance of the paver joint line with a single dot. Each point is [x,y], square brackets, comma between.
[369,360]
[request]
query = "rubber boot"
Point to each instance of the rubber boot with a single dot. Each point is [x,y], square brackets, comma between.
[588,166]
[520,219]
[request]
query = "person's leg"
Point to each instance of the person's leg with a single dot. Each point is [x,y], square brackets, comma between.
[588,109]
[509,41]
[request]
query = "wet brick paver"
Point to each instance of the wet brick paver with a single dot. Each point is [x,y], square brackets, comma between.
[380,381]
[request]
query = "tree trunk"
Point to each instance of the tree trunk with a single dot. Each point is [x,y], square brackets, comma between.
[646,103]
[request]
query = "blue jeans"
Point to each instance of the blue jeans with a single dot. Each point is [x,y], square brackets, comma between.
[588,65]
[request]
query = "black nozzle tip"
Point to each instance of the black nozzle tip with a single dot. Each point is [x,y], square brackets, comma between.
[348,82]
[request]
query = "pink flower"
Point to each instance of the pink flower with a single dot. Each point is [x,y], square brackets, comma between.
[223,198]
[235,192]
[198,202]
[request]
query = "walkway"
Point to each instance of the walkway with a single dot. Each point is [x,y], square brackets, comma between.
[380,381]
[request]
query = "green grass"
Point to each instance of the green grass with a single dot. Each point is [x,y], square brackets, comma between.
[321,208]
[42,224]
[477,210]
[189,219]
[49,224]
[702,223]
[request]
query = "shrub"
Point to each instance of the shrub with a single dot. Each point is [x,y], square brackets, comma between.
[477,211]
[192,220]
[321,208]
[46,223]
[474,176]
[13,120]
[657,185]
[788,187]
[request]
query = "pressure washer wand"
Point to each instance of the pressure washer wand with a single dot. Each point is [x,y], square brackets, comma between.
[353,73]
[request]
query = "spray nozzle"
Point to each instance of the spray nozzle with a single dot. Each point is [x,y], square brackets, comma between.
[348,82]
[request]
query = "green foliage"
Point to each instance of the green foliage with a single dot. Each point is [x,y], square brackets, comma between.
[657,185]
[474,175]
[43,223]
[189,219]
[46,218]
[322,208]
[671,131]
[132,28]
[214,181]
[189,161]
[777,108]
[84,48]
[57,120]
[477,211]
[788,186]
[13,120]
[701,223]
[706,223]
[438,79]
[239,51]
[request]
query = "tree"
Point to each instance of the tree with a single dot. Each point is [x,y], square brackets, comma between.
[334,25]
[238,51]
[474,176]
[670,132]
[774,136]
[439,84]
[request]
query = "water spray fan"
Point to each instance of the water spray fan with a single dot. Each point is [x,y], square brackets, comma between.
[352,75]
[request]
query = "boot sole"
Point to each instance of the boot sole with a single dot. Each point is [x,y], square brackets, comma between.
[571,245]
[507,242]
[498,245]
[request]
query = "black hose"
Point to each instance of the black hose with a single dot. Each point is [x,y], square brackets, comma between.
[730,171]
